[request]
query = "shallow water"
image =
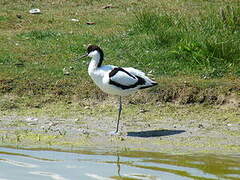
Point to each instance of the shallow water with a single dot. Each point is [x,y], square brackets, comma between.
[19,164]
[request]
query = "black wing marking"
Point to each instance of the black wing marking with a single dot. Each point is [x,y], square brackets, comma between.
[140,80]
[117,69]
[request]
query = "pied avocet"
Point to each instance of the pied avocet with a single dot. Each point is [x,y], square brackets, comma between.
[115,80]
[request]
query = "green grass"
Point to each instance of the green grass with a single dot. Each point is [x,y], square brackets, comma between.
[191,39]
[205,45]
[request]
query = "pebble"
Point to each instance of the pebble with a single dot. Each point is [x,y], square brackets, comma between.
[75,20]
[85,132]
[108,6]
[65,71]
[32,124]
[19,64]
[30,119]
[86,107]
[143,110]
[35,11]
[19,16]
[90,23]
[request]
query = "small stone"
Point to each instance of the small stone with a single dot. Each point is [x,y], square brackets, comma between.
[109,6]
[229,124]
[90,23]
[31,119]
[86,107]
[77,119]
[35,11]
[19,64]
[143,111]
[65,72]
[75,20]
[85,132]
[19,16]
[37,106]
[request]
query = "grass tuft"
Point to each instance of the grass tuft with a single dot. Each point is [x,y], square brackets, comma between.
[40,35]
[206,45]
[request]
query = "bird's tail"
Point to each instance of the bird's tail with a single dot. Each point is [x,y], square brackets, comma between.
[146,82]
[149,83]
[148,86]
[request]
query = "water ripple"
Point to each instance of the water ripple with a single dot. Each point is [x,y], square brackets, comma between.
[94,176]
[48,174]
[18,163]
[45,164]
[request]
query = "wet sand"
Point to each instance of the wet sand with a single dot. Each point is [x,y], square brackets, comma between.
[147,127]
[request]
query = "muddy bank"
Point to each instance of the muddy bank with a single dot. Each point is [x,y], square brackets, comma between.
[148,127]
[178,90]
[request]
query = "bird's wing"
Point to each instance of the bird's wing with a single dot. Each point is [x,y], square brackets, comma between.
[141,74]
[134,71]
[122,77]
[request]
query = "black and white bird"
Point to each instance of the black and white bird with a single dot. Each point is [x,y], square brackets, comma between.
[115,80]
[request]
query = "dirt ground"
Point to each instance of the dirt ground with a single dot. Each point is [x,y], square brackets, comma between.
[156,127]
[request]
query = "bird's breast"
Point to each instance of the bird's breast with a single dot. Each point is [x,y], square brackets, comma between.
[98,78]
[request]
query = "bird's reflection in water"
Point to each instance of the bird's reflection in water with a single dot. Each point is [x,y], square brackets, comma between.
[118,165]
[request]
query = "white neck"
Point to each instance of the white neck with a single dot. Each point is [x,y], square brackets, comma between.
[93,65]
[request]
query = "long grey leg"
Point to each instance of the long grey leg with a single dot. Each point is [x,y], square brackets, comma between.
[119,112]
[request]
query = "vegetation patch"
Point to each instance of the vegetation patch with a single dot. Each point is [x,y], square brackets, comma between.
[206,44]
[191,48]
[40,35]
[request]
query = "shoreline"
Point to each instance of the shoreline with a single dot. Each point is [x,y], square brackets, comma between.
[165,128]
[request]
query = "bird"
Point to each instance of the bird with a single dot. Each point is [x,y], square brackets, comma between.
[115,80]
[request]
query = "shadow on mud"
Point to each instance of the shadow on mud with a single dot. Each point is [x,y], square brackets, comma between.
[155,133]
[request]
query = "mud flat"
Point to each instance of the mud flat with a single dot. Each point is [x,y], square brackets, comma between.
[146,127]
